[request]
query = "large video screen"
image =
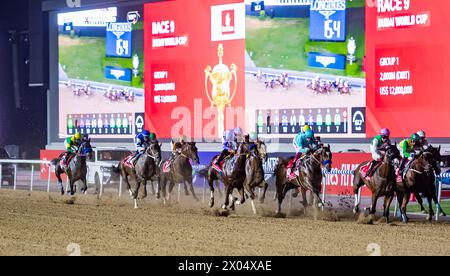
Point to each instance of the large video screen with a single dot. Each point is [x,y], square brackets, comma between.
[101,69]
[266,66]
[346,68]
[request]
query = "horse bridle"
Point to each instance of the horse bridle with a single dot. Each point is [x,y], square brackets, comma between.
[153,154]
[314,158]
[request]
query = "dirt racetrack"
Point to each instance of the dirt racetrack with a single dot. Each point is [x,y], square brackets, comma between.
[43,224]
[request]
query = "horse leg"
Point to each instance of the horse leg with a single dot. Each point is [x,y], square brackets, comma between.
[152,187]
[405,201]
[58,175]
[228,191]
[211,188]
[386,206]
[142,192]
[430,207]
[217,182]
[191,187]
[357,184]
[186,192]
[158,187]
[420,201]
[85,187]
[241,193]
[263,196]
[439,208]
[71,184]
[171,186]
[373,208]
[305,201]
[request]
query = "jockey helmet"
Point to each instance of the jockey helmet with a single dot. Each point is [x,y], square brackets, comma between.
[77,136]
[309,134]
[306,128]
[415,138]
[146,133]
[421,134]
[253,136]
[385,132]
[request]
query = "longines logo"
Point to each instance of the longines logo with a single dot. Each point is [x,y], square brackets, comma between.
[73,3]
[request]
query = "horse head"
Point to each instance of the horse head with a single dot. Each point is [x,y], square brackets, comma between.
[326,157]
[392,154]
[426,160]
[85,149]
[190,150]
[262,150]
[154,151]
[436,162]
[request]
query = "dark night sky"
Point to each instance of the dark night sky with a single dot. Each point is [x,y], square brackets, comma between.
[26,125]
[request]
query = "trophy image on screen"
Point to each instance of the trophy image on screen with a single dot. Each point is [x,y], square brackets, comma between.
[220,96]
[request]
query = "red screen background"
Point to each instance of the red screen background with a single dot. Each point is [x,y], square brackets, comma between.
[425,52]
[186,64]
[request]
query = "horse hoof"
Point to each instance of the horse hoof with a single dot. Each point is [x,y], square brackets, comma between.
[429,217]
[405,219]
[211,204]
[424,212]
[320,205]
[224,206]
[442,214]
[158,196]
[355,211]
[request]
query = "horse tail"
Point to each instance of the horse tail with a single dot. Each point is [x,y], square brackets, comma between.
[116,168]
[203,172]
[280,163]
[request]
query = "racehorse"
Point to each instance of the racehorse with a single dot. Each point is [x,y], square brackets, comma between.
[310,177]
[233,177]
[254,172]
[145,169]
[76,170]
[420,178]
[179,171]
[382,183]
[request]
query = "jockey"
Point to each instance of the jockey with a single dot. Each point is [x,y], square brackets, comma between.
[85,138]
[408,150]
[250,139]
[304,143]
[228,147]
[71,143]
[141,141]
[376,147]
[304,130]
[238,136]
[423,139]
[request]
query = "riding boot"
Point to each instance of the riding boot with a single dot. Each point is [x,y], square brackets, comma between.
[407,166]
[371,168]
[222,156]
[402,165]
